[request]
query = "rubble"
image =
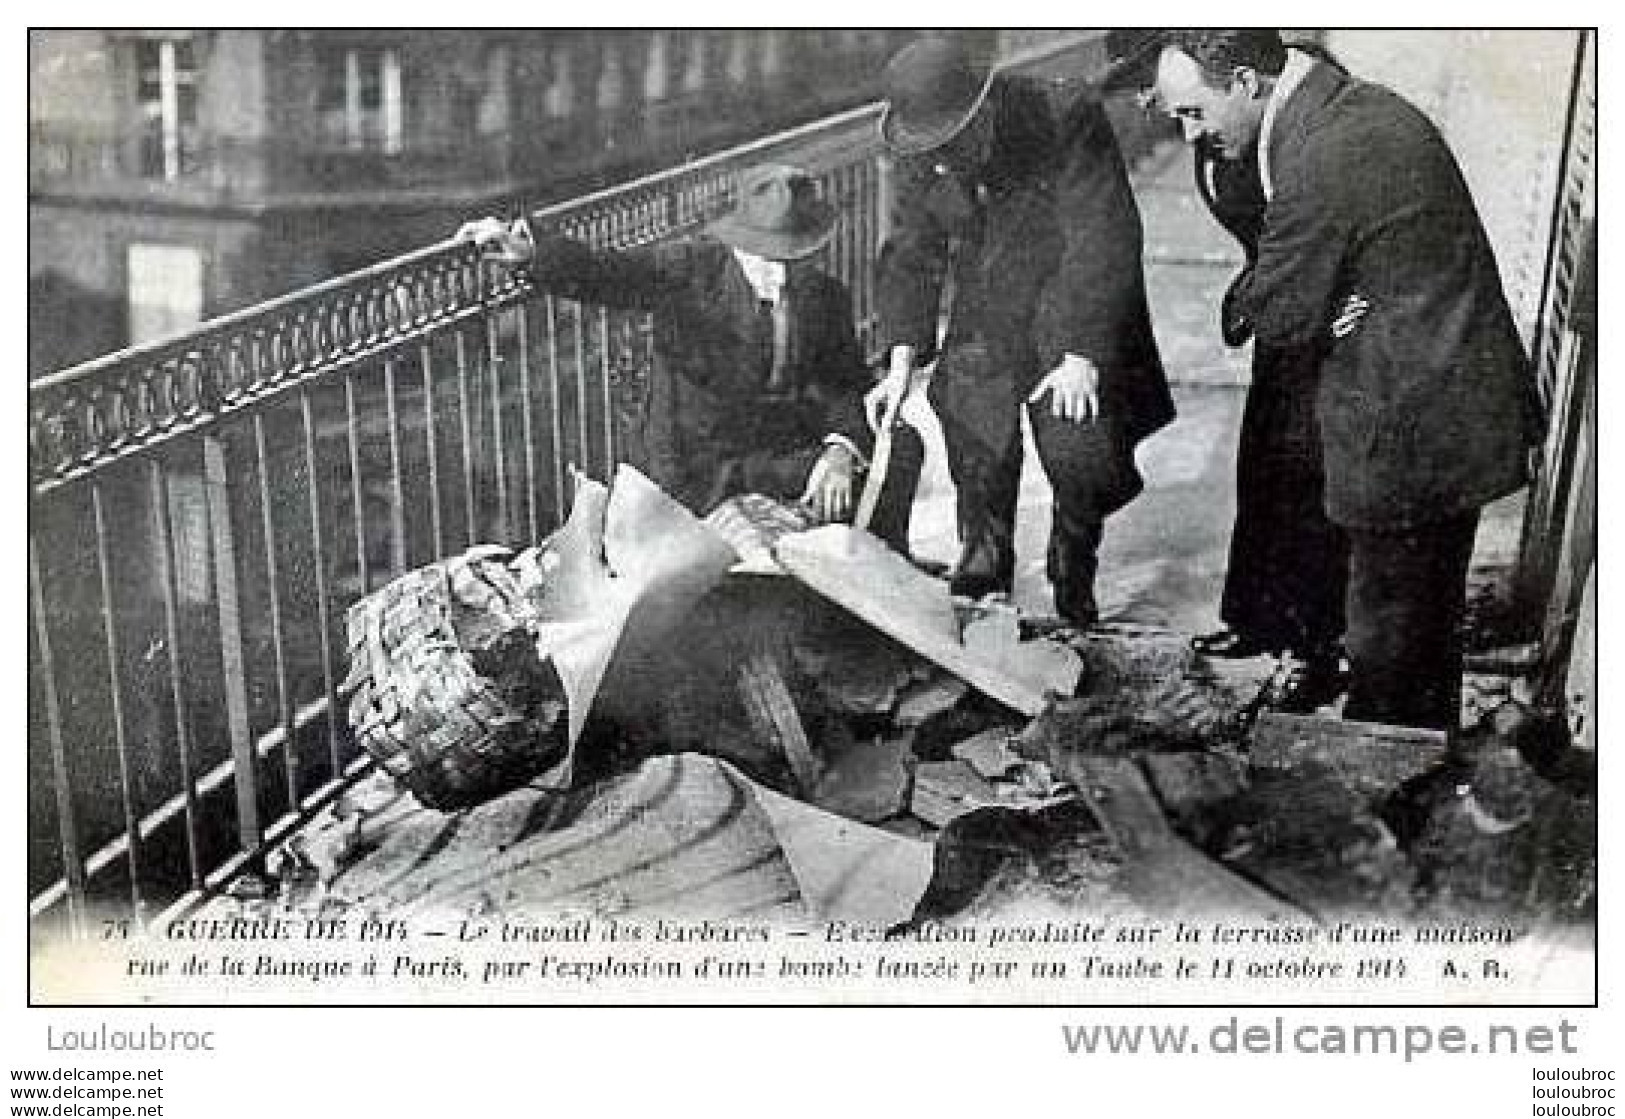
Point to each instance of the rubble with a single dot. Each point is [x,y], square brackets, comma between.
[867,781]
[835,734]
[1370,759]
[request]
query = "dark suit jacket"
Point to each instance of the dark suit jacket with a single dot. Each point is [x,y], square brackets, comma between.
[714,351]
[1048,263]
[1427,408]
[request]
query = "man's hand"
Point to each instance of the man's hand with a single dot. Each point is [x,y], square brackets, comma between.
[501,241]
[829,485]
[894,387]
[1354,309]
[1074,388]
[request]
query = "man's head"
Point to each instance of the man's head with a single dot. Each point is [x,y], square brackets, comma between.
[934,93]
[778,215]
[1217,84]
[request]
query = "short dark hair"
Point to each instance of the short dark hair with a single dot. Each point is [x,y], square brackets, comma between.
[1218,53]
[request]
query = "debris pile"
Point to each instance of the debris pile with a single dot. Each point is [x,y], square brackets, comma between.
[824,730]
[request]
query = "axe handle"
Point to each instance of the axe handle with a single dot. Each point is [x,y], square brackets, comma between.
[879,464]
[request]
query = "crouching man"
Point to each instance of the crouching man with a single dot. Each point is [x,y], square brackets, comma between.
[755,349]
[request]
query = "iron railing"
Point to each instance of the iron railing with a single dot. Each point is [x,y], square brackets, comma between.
[205,508]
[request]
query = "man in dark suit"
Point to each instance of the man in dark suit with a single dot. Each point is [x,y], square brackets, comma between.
[1287,573]
[1371,247]
[755,349]
[1024,234]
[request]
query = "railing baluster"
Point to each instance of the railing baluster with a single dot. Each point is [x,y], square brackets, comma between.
[352,433]
[273,590]
[583,419]
[608,364]
[466,420]
[234,669]
[73,865]
[159,485]
[493,367]
[397,485]
[324,594]
[527,421]
[115,675]
[560,498]
[431,438]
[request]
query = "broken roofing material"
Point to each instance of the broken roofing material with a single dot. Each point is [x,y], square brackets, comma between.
[858,572]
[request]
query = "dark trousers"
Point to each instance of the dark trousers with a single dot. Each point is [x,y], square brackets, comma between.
[1406,600]
[1092,473]
[1287,575]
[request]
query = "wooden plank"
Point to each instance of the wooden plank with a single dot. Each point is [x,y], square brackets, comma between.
[1160,870]
[1371,759]
[771,710]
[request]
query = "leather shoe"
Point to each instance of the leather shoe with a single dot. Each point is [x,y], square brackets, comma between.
[1227,644]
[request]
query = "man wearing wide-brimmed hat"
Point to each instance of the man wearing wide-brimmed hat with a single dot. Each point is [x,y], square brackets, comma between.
[1019,231]
[758,361]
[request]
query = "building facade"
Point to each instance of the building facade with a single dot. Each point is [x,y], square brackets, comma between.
[178,175]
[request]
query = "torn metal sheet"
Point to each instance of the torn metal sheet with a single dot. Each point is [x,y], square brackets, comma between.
[629,564]
[858,572]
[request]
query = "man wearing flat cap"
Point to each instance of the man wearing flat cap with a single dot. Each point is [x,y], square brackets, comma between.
[755,344]
[1020,233]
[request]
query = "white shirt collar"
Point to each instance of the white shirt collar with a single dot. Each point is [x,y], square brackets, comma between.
[766,276]
[1298,65]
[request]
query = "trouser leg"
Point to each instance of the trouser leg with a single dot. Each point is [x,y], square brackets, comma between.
[1092,473]
[895,505]
[1406,600]
[1287,576]
[988,485]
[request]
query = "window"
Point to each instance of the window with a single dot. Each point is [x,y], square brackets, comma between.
[166,92]
[165,289]
[491,115]
[359,101]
